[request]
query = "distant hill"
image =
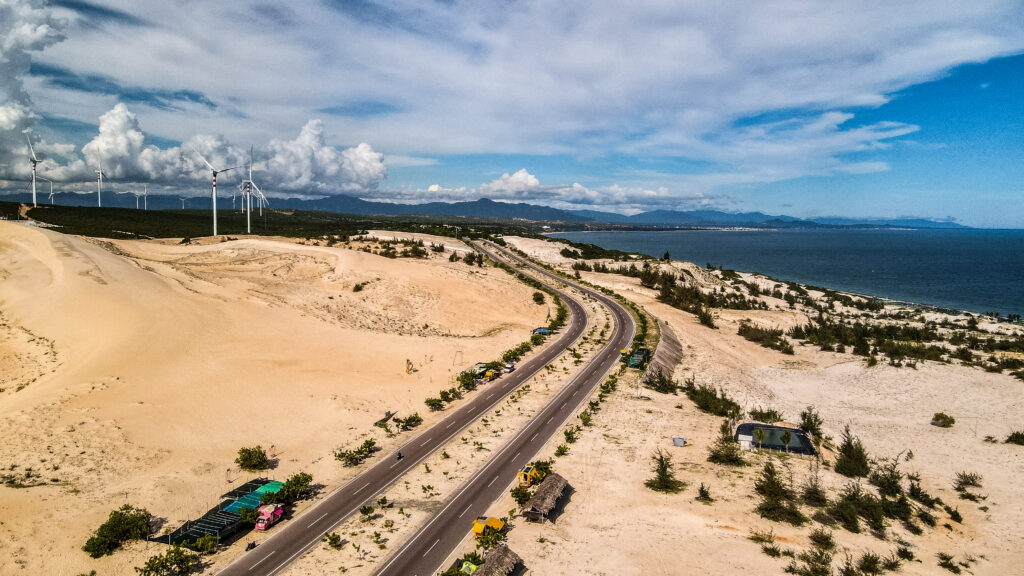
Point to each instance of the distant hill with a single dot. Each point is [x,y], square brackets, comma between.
[486,208]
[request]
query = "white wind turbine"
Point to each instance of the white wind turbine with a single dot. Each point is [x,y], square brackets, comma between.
[145,196]
[99,182]
[50,199]
[34,161]
[247,187]
[214,172]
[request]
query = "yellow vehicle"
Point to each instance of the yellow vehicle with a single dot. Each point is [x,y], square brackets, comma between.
[529,476]
[491,375]
[483,522]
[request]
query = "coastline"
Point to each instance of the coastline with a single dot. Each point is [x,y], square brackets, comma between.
[944,270]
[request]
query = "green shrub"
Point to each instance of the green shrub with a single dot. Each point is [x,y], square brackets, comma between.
[766,337]
[521,495]
[704,494]
[664,477]
[706,318]
[726,451]
[822,538]
[777,502]
[943,420]
[434,404]
[248,515]
[176,561]
[1016,437]
[766,415]
[124,524]
[538,298]
[853,459]
[656,380]
[811,422]
[709,399]
[870,564]
[357,456]
[946,561]
[206,544]
[252,459]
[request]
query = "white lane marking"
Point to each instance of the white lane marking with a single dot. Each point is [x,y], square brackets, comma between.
[317,520]
[425,443]
[466,510]
[361,489]
[534,437]
[431,547]
[492,481]
[563,404]
[517,455]
[550,419]
[393,465]
[450,424]
[488,397]
[262,559]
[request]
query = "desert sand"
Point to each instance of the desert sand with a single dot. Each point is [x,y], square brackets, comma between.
[613,524]
[133,371]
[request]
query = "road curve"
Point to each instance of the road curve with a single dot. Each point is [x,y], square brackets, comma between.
[424,552]
[294,537]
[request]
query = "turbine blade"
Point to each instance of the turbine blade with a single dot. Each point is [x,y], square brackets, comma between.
[30,148]
[204,160]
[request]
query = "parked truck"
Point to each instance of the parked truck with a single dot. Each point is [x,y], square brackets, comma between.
[269,514]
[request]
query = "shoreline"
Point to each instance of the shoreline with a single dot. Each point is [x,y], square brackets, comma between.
[897,276]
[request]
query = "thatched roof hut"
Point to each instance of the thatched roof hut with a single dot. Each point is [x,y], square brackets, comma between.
[498,561]
[545,498]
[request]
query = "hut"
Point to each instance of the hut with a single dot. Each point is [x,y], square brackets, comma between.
[498,561]
[545,498]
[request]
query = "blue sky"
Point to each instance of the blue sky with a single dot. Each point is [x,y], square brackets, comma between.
[860,109]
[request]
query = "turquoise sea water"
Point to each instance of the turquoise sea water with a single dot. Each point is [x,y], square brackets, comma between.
[975,270]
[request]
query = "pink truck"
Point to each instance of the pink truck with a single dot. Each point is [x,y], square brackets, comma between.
[269,515]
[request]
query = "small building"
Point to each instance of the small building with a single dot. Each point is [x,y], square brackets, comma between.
[799,441]
[498,561]
[544,500]
[541,331]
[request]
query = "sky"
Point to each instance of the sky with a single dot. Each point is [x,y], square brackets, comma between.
[857,109]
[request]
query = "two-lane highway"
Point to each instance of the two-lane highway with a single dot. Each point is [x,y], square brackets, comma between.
[423,554]
[296,536]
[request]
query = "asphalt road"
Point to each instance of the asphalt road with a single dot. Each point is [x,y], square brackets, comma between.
[424,552]
[294,537]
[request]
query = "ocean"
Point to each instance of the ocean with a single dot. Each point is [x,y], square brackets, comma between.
[973,270]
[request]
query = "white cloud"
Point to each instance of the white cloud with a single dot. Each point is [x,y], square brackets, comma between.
[511,184]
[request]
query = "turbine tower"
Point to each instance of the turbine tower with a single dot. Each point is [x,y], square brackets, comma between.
[145,196]
[214,172]
[246,188]
[99,182]
[34,161]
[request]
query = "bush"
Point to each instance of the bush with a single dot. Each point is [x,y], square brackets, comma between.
[357,456]
[124,524]
[409,422]
[1015,437]
[434,404]
[965,480]
[852,503]
[206,544]
[943,420]
[294,488]
[811,422]
[656,380]
[710,400]
[538,297]
[725,450]
[521,495]
[248,515]
[176,561]
[822,539]
[888,478]
[706,318]
[811,562]
[766,337]
[853,459]
[664,478]
[252,459]
[766,415]
[704,494]
[777,498]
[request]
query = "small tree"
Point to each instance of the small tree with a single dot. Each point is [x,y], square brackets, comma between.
[124,524]
[252,459]
[759,436]
[434,404]
[248,515]
[521,495]
[175,562]
[664,477]
[853,459]
[811,422]
[538,297]
[206,544]
[785,438]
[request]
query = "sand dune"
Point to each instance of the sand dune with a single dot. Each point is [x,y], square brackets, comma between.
[144,366]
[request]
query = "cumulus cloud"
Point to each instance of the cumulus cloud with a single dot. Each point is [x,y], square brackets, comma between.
[26,29]
[306,165]
[512,184]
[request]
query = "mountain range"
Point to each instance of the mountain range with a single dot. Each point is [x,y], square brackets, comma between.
[486,208]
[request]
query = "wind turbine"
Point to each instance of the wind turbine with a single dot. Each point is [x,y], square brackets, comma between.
[50,199]
[145,196]
[182,198]
[34,161]
[214,171]
[99,182]
[246,188]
